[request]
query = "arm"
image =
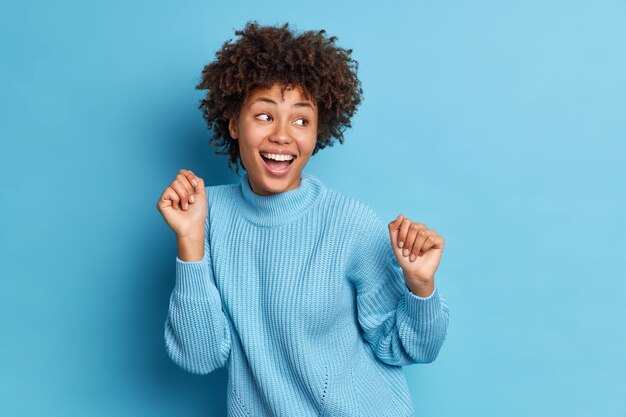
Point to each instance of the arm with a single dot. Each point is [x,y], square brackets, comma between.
[401,327]
[197,332]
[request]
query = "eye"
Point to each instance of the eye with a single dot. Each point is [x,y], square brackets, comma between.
[264,115]
[305,122]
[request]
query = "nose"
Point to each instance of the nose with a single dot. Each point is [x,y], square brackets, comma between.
[280,134]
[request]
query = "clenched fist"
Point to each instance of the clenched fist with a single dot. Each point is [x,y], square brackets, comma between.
[183,205]
[418,250]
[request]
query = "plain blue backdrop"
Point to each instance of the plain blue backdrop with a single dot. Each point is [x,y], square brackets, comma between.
[499,124]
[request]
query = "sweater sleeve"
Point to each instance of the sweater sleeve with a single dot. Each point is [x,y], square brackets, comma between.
[197,332]
[401,327]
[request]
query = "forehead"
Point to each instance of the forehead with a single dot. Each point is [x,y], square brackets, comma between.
[280,92]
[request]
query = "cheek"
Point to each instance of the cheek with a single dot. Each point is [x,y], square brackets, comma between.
[307,144]
[249,140]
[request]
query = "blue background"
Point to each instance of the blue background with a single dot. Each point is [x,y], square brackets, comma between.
[499,124]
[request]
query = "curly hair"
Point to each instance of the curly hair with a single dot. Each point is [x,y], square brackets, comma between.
[265,55]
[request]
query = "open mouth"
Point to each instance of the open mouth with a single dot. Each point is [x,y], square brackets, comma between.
[277,166]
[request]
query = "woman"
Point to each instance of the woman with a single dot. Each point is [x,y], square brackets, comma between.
[312,302]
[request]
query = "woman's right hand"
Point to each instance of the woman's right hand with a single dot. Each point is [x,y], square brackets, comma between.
[183,208]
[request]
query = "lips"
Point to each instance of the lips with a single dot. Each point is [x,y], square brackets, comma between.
[277,168]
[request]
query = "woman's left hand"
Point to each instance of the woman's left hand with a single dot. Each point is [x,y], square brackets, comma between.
[418,251]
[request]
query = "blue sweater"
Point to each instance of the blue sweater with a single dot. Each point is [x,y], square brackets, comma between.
[300,295]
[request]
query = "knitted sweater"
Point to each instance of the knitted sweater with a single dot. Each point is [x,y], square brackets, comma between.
[299,294]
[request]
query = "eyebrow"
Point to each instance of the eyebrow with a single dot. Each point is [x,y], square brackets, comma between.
[269,100]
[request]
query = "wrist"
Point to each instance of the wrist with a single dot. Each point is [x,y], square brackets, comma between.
[421,289]
[190,248]
[191,238]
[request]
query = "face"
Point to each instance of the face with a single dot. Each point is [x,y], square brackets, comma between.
[269,129]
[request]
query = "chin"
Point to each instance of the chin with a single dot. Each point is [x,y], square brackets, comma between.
[277,185]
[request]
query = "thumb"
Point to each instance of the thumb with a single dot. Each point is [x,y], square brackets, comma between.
[394,226]
[199,189]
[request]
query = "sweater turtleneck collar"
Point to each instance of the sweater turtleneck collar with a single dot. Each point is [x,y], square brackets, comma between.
[281,208]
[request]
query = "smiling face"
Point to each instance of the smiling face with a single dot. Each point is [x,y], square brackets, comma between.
[277,136]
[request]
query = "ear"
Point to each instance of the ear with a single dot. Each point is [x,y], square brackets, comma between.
[232,127]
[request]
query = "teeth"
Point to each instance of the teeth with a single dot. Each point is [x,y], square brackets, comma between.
[278,157]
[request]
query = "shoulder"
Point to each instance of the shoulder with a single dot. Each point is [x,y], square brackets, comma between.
[341,201]
[219,192]
[355,214]
[220,199]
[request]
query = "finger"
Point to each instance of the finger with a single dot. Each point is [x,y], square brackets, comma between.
[393,230]
[410,238]
[163,201]
[429,242]
[193,179]
[409,246]
[200,187]
[169,198]
[437,240]
[193,182]
[200,191]
[418,246]
[397,221]
[180,186]
[183,178]
[404,230]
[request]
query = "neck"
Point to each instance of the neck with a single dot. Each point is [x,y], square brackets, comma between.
[279,208]
[260,191]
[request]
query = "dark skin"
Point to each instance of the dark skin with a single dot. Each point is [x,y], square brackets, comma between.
[326,72]
[418,250]
[264,55]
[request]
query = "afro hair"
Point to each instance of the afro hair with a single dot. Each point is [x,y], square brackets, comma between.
[265,55]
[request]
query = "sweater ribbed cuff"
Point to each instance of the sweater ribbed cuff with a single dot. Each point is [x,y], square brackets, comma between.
[192,278]
[422,309]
